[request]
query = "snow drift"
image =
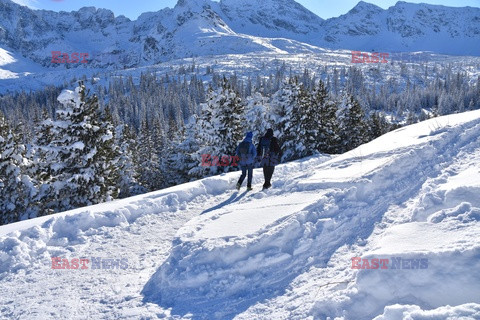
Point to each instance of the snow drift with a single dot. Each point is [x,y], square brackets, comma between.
[204,251]
[245,252]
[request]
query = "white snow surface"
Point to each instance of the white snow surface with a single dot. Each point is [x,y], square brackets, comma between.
[205,251]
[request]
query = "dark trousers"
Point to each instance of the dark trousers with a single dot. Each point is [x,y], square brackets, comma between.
[244,168]
[268,173]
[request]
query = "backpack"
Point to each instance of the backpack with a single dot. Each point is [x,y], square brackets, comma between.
[265,147]
[243,149]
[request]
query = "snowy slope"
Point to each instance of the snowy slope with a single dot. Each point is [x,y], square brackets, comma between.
[271,18]
[204,251]
[13,66]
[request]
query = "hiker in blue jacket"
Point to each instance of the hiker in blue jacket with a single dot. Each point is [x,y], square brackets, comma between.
[246,154]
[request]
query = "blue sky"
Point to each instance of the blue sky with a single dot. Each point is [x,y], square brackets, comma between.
[132,9]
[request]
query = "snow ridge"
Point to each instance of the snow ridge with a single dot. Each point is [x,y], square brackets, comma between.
[219,271]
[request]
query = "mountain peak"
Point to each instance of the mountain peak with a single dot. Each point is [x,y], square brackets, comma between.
[270,18]
[365,6]
[192,4]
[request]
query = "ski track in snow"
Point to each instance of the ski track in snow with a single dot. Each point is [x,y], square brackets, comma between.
[197,252]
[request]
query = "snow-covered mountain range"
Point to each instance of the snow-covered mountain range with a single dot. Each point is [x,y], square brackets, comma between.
[204,27]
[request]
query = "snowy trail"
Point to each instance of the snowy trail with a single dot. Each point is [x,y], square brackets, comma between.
[219,266]
[140,229]
[438,220]
[76,293]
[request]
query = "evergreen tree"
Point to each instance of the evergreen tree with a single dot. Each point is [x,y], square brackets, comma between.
[327,137]
[188,150]
[228,119]
[378,125]
[313,122]
[303,127]
[128,163]
[221,126]
[150,175]
[204,135]
[353,128]
[16,188]
[46,157]
[411,118]
[106,161]
[86,174]
[180,155]
[257,115]
[285,105]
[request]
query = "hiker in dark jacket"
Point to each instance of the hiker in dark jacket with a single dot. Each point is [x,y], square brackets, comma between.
[246,154]
[270,154]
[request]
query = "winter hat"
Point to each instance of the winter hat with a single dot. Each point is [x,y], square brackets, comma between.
[249,135]
[269,133]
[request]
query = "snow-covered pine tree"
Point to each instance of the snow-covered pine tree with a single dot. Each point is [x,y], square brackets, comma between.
[160,135]
[189,149]
[204,135]
[222,126]
[150,175]
[353,126]
[377,125]
[327,135]
[411,118]
[314,122]
[16,188]
[45,163]
[172,162]
[257,115]
[128,162]
[106,162]
[303,126]
[284,105]
[228,119]
[448,103]
[170,156]
[181,154]
[85,175]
